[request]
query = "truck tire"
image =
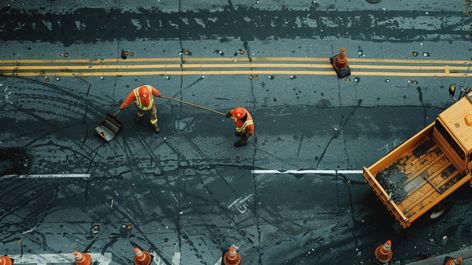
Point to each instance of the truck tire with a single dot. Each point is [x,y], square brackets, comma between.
[439,210]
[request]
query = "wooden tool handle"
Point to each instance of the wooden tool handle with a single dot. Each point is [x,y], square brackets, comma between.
[194,105]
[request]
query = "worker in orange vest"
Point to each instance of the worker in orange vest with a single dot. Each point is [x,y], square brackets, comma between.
[244,124]
[143,97]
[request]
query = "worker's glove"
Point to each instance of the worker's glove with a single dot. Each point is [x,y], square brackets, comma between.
[121,104]
[228,115]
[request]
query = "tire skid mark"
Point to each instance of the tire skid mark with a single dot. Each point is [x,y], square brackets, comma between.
[218,203]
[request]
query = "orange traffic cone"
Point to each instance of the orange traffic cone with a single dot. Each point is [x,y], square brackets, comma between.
[5,260]
[232,257]
[453,261]
[82,258]
[384,253]
[141,257]
[340,65]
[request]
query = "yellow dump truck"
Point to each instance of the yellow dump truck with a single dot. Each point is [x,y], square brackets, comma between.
[421,172]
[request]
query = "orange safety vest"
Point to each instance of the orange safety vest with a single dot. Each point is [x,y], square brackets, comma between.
[248,124]
[138,100]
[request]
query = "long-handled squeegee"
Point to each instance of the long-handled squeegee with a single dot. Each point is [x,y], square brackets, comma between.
[194,105]
[109,127]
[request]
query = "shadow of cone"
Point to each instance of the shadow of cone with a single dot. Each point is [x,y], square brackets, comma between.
[82,258]
[384,253]
[340,65]
[142,257]
[5,260]
[232,257]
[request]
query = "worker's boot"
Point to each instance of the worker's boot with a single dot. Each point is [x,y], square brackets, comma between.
[241,142]
[139,117]
[155,127]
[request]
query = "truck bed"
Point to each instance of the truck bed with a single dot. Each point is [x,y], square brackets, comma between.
[418,178]
[414,177]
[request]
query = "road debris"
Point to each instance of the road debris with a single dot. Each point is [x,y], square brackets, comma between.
[220,52]
[95,229]
[124,54]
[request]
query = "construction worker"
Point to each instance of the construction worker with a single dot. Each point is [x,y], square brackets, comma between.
[143,97]
[244,124]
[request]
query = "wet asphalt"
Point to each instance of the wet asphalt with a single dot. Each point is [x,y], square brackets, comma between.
[187,190]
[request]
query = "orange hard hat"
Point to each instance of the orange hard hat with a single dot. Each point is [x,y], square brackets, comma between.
[144,92]
[239,112]
[459,259]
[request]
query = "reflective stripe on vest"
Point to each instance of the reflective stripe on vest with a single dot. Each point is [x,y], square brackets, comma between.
[245,124]
[138,98]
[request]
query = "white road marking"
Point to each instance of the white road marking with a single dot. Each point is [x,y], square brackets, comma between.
[45,176]
[241,203]
[28,231]
[176,258]
[308,171]
[157,259]
[43,259]
[219,261]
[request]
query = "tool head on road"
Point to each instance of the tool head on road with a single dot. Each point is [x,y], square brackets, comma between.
[109,127]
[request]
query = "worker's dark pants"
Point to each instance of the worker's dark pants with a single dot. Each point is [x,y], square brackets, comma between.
[153,115]
[244,135]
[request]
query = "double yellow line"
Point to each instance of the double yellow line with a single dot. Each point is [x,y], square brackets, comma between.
[231,66]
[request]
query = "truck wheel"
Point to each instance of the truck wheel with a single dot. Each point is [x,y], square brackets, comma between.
[439,211]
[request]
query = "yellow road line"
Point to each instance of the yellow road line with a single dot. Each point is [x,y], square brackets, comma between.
[232,59]
[242,72]
[238,65]
[160,66]
[413,61]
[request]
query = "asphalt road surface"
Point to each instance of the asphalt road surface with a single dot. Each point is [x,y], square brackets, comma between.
[187,193]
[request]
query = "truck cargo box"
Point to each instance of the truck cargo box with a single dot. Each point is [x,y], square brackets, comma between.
[425,169]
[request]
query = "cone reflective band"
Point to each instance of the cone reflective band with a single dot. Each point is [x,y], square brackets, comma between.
[340,65]
[141,257]
[341,61]
[82,258]
[232,253]
[383,253]
[139,254]
[232,257]
[5,260]
[453,261]
[386,248]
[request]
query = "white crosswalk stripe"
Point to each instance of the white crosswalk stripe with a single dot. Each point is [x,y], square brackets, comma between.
[43,259]
[308,171]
